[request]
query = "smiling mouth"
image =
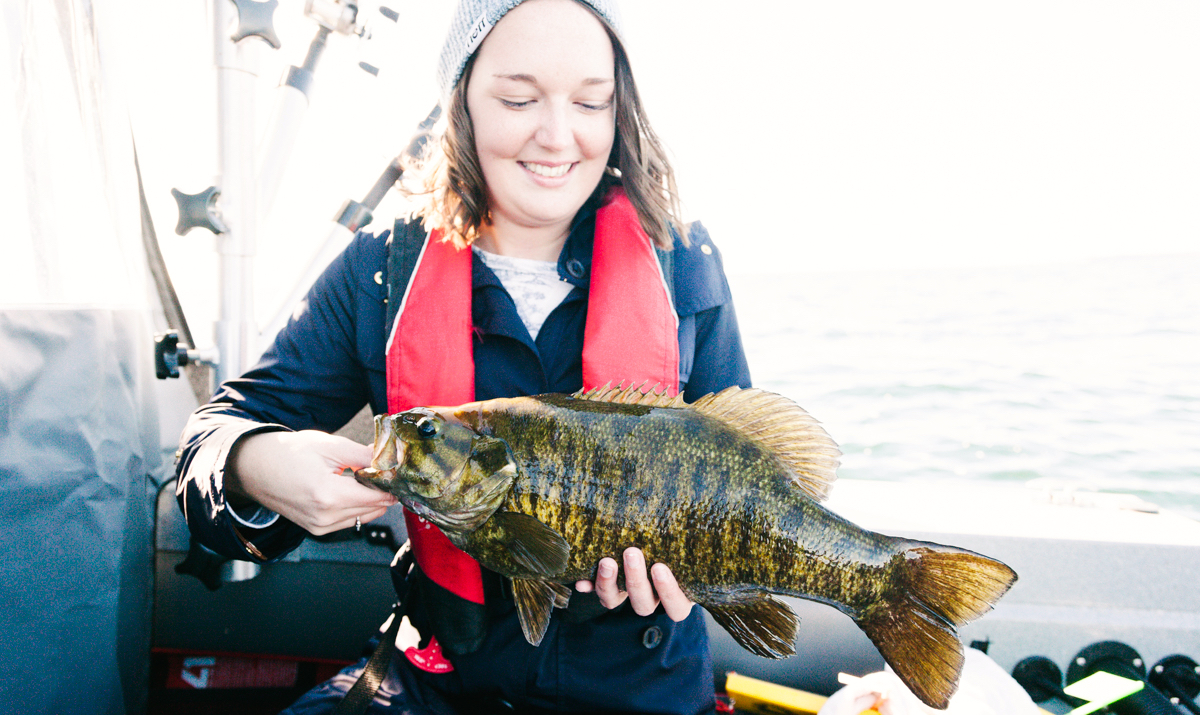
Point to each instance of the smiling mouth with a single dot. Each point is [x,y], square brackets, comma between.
[550,172]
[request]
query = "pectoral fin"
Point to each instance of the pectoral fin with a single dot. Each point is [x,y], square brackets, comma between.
[535,600]
[759,623]
[519,546]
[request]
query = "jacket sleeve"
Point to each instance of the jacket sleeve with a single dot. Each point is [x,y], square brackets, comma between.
[711,356]
[317,374]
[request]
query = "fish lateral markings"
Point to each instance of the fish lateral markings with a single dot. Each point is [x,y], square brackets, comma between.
[725,491]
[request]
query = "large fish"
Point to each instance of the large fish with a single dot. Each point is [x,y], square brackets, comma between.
[725,491]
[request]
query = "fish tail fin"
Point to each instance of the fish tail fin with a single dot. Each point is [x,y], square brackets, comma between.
[934,589]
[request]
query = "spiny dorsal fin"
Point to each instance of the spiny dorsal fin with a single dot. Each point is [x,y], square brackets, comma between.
[783,427]
[643,394]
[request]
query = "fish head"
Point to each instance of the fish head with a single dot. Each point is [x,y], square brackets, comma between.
[438,467]
[416,454]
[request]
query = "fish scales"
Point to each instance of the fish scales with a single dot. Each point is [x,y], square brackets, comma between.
[678,506]
[594,490]
[658,513]
[725,492]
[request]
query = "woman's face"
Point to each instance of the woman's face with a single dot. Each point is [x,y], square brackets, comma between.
[540,97]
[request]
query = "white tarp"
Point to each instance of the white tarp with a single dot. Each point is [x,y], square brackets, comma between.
[79,442]
[69,197]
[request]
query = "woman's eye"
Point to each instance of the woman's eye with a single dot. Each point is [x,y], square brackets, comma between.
[514,104]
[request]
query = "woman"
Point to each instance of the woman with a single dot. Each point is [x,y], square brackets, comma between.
[549,172]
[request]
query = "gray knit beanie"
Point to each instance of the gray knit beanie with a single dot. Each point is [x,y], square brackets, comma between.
[474,19]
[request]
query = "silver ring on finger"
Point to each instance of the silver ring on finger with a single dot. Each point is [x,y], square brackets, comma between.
[357,524]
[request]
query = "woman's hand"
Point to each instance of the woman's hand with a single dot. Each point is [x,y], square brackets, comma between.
[299,475]
[645,592]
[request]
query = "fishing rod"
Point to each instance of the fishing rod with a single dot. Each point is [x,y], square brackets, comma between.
[1043,680]
[1116,658]
[352,216]
[1178,677]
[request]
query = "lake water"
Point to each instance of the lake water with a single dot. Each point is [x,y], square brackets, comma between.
[1087,374]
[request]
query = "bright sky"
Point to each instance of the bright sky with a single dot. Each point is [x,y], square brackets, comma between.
[807,135]
[880,134]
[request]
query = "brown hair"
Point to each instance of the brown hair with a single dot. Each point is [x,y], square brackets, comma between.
[453,194]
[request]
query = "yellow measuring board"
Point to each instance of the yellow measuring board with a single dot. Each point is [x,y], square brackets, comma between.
[758,696]
[751,695]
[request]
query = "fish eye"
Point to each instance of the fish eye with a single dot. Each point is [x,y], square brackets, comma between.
[426,428]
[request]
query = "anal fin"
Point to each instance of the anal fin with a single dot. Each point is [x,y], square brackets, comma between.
[760,623]
[535,600]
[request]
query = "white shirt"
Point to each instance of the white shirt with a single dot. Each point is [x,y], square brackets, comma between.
[535,286]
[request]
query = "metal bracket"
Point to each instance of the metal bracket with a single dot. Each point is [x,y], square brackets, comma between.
[256,19]
[199,211]
[339,16]
[353,215]
[169,355]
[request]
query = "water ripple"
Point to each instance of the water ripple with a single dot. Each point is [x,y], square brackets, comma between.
[1087,372]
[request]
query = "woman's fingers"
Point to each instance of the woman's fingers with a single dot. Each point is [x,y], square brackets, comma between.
[606,584]
[641,593]
[674,601]
[338,500]
[301,475]
[359,518]
[373,514]
[645,588]
[350,454]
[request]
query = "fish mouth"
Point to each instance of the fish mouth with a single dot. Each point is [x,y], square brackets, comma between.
[452,522]
[421,510]
[381,474]
[374,478]
[389,453]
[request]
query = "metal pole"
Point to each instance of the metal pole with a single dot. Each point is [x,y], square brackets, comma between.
[236,331]
[292,102]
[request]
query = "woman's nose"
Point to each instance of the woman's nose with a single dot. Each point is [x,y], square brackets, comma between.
[554,130]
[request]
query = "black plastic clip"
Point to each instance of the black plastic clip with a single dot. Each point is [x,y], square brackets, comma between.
[1043,680]
[168,355]
[203,563]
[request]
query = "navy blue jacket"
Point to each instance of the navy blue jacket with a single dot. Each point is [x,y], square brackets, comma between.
[329,361]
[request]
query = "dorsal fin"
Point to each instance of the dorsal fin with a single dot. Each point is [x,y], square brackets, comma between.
[784,428]
[643,394]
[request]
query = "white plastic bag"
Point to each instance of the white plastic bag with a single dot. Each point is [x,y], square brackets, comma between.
[984,689]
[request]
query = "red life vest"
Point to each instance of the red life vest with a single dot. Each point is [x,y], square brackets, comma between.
[630,336]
